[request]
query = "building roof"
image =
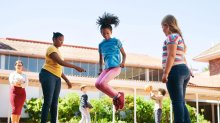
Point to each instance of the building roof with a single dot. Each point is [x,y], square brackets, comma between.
[205,80]
[5,46]
[32,48]
[207,55]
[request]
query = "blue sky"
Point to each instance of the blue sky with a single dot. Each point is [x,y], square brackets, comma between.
[139,30]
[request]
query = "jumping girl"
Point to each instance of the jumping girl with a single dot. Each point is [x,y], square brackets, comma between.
[110,49]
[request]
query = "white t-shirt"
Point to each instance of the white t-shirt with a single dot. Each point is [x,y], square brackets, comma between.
[158,101]
[17,77]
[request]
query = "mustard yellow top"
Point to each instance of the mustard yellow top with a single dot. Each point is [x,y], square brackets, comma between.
[51,65]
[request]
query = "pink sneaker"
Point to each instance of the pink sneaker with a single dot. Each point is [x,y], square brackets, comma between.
[121,100]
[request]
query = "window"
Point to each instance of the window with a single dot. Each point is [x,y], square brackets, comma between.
[155,75]
[25,63]
[160,75]
[123,73]
[129,72]
[75,72]
[7,59]
[92,70]
[85,66]
[40,63]
[32,65]
[142,74]
[68,71]
[97,68]
[12,61]
[136,73]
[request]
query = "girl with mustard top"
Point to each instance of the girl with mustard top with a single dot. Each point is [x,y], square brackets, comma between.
[50,78]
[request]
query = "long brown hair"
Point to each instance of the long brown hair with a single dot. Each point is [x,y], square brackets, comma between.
[171,22]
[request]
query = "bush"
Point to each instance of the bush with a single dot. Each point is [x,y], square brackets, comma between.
[102,110]
[33,108]
[69,107]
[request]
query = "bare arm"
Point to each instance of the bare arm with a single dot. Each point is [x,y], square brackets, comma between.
[155,97]
[64,77]
[66,80]
[61,62]
[123,57]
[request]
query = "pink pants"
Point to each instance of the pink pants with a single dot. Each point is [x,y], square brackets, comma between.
[104,78]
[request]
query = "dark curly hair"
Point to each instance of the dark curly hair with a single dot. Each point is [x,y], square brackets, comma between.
[56,35]
[107,20]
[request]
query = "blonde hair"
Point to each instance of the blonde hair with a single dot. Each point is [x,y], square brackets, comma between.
[171,22]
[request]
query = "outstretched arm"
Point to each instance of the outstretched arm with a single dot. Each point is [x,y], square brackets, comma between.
[56,58]
[155,97]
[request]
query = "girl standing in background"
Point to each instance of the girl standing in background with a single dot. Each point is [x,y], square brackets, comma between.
[19,82]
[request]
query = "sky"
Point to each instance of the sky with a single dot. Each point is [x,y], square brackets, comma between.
[139,29]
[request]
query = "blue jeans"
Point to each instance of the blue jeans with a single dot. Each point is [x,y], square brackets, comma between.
[51,85]
[177,81]
[158,115]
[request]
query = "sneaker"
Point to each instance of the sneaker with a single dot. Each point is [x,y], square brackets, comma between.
[116,103]
[121,100]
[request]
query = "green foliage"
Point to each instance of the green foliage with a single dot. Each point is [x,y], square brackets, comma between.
[102,110]
[166,111]
[33,108]
[205,69]
[143,107]
[146,108]
[68,107]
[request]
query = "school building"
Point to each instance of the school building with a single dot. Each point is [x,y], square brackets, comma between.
[202,92]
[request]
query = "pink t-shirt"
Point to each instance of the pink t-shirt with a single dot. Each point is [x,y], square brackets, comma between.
[180,54]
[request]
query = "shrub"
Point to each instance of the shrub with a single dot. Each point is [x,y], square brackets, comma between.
[33,108]
[69,107]
[102,110]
